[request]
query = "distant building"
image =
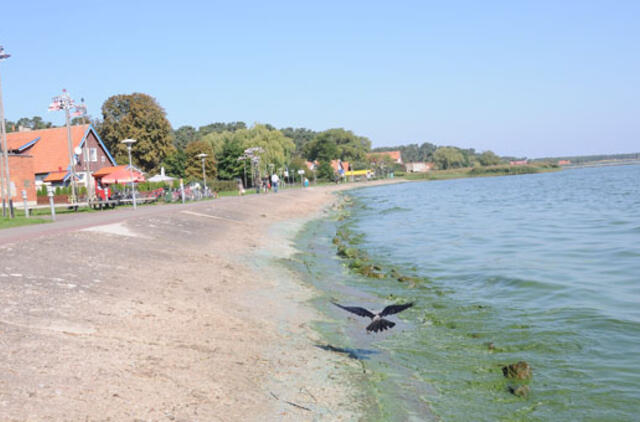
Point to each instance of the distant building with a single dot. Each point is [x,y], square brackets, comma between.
[418,167]
[564,162]
[519,163]
[396,156]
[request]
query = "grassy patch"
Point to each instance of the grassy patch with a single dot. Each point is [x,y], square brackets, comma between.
[6,222]
[500,170]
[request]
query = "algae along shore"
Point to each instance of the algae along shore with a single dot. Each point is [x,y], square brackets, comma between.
[525,309]
[170,313]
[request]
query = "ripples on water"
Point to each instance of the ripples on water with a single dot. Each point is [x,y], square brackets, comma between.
[546,267]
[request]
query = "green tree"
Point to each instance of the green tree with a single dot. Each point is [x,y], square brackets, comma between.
[448,157]
[183,135]
[488,158]
[300,137]
[33,123]
[137,116]
[350,147]
[193,167]
[221,127]
[176,163]
[229,167]
[323,149]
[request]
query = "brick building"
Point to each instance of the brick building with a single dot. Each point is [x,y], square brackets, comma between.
[44,154]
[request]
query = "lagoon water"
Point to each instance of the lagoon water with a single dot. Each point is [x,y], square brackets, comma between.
[545,268]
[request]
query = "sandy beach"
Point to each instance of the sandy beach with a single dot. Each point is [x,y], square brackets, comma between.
[175,313]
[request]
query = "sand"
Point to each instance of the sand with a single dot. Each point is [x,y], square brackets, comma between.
[175,313]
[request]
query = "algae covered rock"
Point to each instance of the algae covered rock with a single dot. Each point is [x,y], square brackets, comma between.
[520,391]
[520,370]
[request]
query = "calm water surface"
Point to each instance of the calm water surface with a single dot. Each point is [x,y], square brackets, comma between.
[545,267]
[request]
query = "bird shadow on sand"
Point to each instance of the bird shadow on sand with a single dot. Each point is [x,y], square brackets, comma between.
[357,354]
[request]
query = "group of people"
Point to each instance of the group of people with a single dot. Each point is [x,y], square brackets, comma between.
[266,184]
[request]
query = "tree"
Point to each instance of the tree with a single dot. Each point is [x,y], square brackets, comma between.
[300,137]
[277,148]
[137,116]
[34,123]
[323,149]
[193,167]
[221,127]
[448,157]
[229,167]
[350,147]
[488,158]
[176,163]
[183,135]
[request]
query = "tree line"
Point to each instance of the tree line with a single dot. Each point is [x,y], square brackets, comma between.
[139,116]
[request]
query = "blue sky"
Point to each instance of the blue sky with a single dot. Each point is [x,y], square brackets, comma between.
[520,78]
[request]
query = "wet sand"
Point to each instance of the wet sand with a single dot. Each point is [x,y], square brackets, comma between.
[177,314]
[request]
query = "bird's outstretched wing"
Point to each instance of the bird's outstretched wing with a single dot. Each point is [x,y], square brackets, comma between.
[394,309]
[356,310]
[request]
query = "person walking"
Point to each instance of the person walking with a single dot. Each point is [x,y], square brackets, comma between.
[274,182]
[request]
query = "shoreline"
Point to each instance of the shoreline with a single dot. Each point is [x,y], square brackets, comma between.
[161,316]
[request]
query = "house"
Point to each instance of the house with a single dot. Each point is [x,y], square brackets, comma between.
[396,156]
[48,151]
[519,163]
[418,167]
[564,162]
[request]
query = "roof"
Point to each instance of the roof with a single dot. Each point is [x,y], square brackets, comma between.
[56,176]
[394,155]
[118,174]
[122,175]
[108,170]
[49,146]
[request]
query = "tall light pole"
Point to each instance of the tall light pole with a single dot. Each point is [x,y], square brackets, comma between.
[66,103]
[128,143]
[6,180]
[204,177]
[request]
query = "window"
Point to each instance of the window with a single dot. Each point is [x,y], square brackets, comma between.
[93,153]
[103,159]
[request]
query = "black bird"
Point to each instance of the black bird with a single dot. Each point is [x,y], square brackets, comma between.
[378,323]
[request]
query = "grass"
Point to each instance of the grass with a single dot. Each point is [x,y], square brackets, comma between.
[6,222]
[500,170]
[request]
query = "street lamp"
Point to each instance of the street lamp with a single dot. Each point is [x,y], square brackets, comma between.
[6,185]
[204,177]
[128,143]
[66,103]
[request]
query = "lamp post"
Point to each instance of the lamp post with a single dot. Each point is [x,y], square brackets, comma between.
[66,103]
[128,143]
[204,176]
[6,180]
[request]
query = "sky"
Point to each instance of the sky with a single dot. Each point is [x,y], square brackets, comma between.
[520,78]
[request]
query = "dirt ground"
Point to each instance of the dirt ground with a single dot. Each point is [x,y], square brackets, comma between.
[173,313]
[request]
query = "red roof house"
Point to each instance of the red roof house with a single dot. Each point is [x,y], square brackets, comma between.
[396,156]
[50,151]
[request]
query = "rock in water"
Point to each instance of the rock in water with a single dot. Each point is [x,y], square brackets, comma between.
[520,370]
[520,391]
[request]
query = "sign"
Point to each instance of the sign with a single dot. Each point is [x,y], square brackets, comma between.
[300,171]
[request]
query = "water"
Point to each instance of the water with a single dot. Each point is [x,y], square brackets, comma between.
[545,268]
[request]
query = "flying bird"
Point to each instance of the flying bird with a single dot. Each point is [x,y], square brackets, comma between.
[378,323]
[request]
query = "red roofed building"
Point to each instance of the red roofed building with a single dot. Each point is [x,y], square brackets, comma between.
[396,156]
[50,153]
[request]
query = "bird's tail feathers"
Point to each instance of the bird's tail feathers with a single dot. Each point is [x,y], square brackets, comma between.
[380,325]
